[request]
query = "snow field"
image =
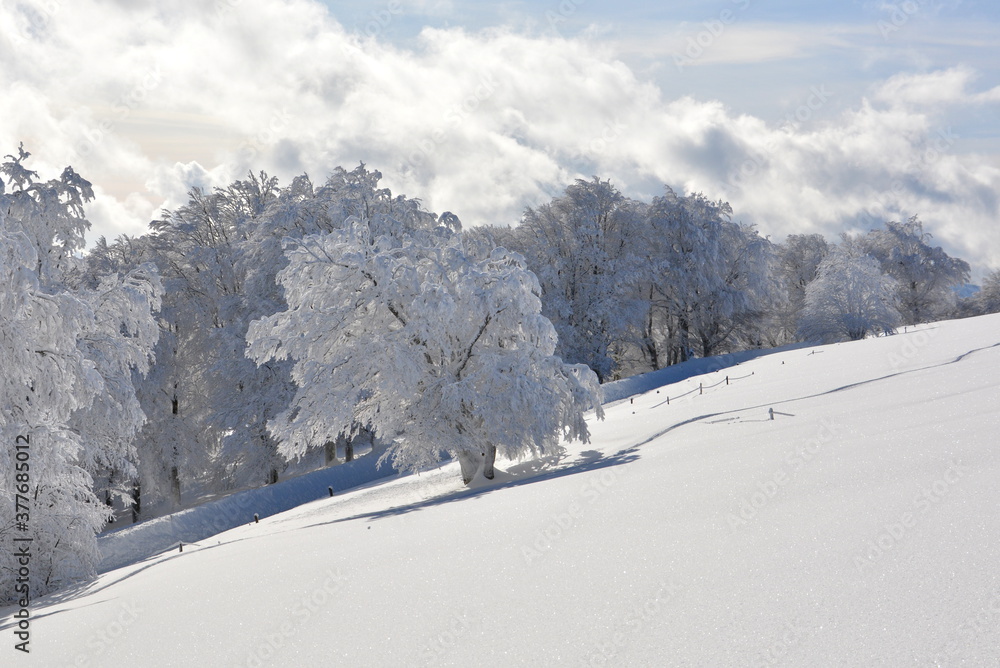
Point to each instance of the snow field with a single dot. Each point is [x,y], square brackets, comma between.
[859,527]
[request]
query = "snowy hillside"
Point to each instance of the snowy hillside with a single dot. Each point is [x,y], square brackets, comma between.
[859,527]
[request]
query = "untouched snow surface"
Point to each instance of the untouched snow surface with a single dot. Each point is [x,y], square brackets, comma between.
[859,527]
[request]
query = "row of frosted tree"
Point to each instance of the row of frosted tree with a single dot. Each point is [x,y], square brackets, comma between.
[633,286]
[262,324]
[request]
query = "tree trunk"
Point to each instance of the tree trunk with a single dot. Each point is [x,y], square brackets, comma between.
[107,490]
[175,485]
[707,347]
[491,457]
[329,452]
[136,500]
[683,340]
[272,477]
[347,442]
[649,335]
[469,462]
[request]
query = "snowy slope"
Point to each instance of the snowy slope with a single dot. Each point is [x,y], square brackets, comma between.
[132,543]
[128,544]
[859,527]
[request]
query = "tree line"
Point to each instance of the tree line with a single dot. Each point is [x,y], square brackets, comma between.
[260,324]
[632,286]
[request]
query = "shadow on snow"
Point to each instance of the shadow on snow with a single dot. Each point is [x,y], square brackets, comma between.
[527,473]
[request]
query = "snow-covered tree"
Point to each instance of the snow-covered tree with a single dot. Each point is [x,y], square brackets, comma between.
[208,404]
[582,246]
[397,328]
[632,287]
[68,352]
[165,445]
[742,288]
[710,277]
[219,255]
[988,298]
[798,260]
[849,299]
[118,340]
[926,276]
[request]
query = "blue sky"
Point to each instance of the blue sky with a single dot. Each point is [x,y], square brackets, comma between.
[807,117]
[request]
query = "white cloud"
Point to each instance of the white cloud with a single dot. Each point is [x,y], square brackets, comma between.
[147,100]
[713,41]
[943,87]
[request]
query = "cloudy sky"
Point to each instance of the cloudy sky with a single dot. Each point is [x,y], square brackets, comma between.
[806,117]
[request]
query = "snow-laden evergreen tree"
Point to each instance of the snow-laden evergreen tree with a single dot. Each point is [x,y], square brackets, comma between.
[396,327]
[926,276]
[68,352]
[849,299]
